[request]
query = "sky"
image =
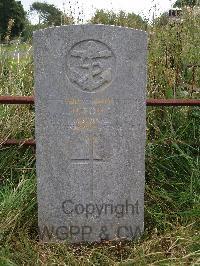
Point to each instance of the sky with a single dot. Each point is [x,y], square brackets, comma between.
[146,8]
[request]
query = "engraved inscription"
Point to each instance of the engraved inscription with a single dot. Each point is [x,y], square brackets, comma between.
[88,114]
[91,65]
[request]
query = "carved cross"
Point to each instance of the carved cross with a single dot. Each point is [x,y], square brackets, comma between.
[90,161]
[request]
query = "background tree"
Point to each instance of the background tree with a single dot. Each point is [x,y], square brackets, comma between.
[11,10]
[183,3]
[163,20]
[49,14]
[104,17]
[119,19]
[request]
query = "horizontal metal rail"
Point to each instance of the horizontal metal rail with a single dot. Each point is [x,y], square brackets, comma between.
[30,100]
[149,102]
[172,102]
[31,142]
[14,142]
[16,100]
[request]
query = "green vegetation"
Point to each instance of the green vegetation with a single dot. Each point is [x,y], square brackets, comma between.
[190,3]
[172,196]
[121,19]
[11,11]
[49,14]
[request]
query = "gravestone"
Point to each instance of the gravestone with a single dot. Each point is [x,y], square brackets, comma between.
[90,132]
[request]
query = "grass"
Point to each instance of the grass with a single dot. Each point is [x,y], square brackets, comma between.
[172,191]
[17,47]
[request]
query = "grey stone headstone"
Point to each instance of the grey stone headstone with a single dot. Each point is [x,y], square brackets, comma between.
[90,132]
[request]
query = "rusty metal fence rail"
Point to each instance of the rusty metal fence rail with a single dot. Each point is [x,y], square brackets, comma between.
[30,100]
[149,102]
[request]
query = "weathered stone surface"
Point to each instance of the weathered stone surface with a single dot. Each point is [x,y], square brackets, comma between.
[90,132]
